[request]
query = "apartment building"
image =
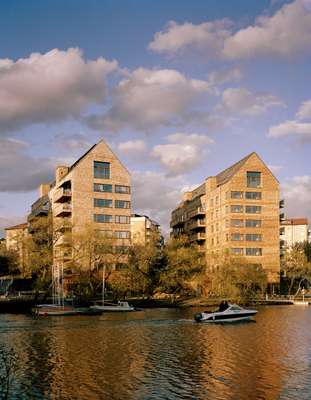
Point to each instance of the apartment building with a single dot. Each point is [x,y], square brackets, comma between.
[292,231]
[143,229]
[15,240]
[237,211]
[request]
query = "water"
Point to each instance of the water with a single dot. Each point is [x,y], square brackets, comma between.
[161,354]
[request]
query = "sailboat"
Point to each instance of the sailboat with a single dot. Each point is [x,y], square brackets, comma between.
[104,306]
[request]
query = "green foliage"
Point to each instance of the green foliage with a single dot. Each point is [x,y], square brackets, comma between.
[234,277]
[296,268]
[8,367]
[9,261]
[183,264]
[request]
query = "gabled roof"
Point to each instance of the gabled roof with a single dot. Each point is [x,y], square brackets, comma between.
[228,173]
[19,226]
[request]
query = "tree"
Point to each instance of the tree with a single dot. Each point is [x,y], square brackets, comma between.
[9,261]
[183,263]
[234,277]
[296,268]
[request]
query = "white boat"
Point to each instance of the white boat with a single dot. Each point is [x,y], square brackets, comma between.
[54,309]
[114,307]
[231,314]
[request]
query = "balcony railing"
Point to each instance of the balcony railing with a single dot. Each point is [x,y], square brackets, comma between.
[196,224]
[62,210]
[282,217]
[198,211]
[177,222]
[63,225]
[62,195]
[282,203]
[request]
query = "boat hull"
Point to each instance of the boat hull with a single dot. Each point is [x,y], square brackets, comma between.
[232,314]
[112,308]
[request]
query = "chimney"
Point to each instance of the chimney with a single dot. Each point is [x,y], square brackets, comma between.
[44,189]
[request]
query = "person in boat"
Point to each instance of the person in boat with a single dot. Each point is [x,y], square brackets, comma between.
[223,306]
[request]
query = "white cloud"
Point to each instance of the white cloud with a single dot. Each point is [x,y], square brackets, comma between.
[132,147]
[19,172]
[241,100]
[183,154]
[156,195]
[297,195]
[51,86]
[287,33]
[209,36]
[76,141]
[304,111]
[148,99]
[275,168]
[226,75]
[301,130]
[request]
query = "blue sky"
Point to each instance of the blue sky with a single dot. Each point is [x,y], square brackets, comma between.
[179,90]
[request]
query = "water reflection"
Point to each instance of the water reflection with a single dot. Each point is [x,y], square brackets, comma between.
[161,354]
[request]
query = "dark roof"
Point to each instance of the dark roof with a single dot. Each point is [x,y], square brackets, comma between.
[19,226]
[228,173]
[295,221]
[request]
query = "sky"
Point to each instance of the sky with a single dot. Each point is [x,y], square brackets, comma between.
[180,90]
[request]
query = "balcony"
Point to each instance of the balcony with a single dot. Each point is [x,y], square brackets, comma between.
[197,224]
[39,208]
[282,203]
[197,212]
[282,217]
[177,222]
[197,236]
[282,231]
[63,225]
[64,240]
[62,195]
[62,210]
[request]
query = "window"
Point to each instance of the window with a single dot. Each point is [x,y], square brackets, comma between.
[104,232]
[217,200]
[253,209]
[122,219]
[102,218]
[212,203]
[236,222]
[101,170]
[236,195]
[122,204]
[102,187]
[253,223]
[217,214]
[253,252]
[103,203]
[121,249]
[253,195]
[122,234]
[217,226]
[212,228]
[236,236]
[253,179]
[237,251]
[122,189]
[253,237]
[236,209]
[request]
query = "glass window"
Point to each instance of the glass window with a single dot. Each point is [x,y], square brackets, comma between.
[236,209]
[253,209]
[253,179]
[217,200]
[237,222]
[102,187]
[237,251]
[254,237]
[102,218]
[122,204]
[122,219]
[104,232]
[253,195]
[236,195]
[253,223]
[103,203]
[122,189]
[236,236]
[122,234]
[211,202]
[121,249]
[253,252]
[101,170]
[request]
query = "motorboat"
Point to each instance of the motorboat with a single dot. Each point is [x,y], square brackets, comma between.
[51,310]
[231,314]
[113,307]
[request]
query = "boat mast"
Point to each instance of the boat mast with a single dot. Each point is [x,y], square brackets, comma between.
[103,292]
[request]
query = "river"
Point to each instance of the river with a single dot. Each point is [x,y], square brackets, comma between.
[161,354]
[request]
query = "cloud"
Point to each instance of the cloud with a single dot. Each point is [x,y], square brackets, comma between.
[76,141]
[297,194]
[183,154]
[20,172]
[156,195]
[287,33]
[275,168]
[132,147]
[209,36]
[49,87]
[242,101]
[304,111]
[149,98]
[301,130]
[226,75]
